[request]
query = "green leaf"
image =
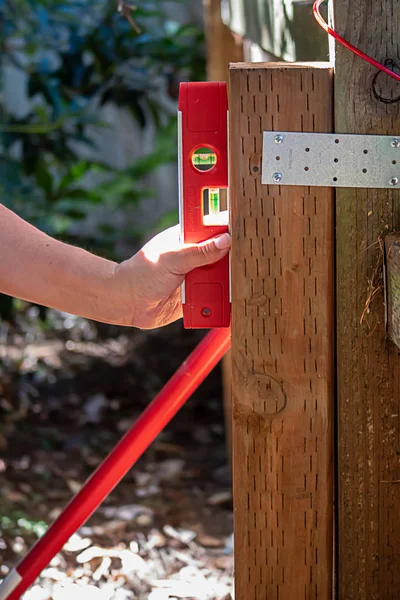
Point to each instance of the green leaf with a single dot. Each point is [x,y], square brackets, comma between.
[90,195]
[41,113]
[79,169]
[188,30]
[75,173]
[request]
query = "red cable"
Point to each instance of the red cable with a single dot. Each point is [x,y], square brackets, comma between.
[347,44]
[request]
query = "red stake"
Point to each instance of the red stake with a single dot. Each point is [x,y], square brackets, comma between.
[157,415]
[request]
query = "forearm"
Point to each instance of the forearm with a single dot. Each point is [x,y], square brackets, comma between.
[37,268]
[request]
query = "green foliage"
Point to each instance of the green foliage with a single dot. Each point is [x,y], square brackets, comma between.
[17,522]
[77,56]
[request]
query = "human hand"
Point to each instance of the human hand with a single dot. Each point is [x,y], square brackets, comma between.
[153,276]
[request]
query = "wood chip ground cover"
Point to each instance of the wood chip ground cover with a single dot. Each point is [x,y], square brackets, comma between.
[65,400]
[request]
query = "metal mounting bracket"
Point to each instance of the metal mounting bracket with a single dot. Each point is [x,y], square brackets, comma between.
[331,159]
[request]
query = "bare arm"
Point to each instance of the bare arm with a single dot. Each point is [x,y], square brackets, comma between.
[142,291]
[38,268]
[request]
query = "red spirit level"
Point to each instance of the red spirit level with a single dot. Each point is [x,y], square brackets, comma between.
[203,171]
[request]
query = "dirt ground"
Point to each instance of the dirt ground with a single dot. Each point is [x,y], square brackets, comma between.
[68,393]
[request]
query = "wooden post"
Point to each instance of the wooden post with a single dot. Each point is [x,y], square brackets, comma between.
[368,363]
[392,283]
[282,344]
[223,46]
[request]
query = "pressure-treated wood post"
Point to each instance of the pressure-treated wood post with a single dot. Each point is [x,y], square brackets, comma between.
[392,283]
[282,343]
[223,46]
[368,363]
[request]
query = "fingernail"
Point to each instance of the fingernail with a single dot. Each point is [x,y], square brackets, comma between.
[223,241]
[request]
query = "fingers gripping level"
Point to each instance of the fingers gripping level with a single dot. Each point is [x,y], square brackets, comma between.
[203,166]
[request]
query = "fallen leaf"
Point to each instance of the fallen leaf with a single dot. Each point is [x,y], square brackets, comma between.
[168,447]
[156,539]
[144,520]
[208,541]
[13,495]
[128,512]
[74,485]
[93,409]
[103,569]
[54,574]
[18,546]
[95,552]
[224,562]
[86,592]
[76,543]
[151,490]
[132,563]
[183,535]
[37,592]
[170,468]
[220,498]
[56,561]
[55,513]
[142,479]
[179,589]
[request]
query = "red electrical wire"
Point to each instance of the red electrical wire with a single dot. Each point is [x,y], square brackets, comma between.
[347,44]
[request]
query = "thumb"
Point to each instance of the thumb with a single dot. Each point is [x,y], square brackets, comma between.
[199,255]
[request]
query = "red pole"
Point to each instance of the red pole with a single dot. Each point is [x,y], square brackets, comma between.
[164,406]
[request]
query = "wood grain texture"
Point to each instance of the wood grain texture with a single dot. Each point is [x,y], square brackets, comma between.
[392,261]
[368,363]
[282,344]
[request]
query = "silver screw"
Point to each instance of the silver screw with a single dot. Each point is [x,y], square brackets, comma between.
[395,143]
[393,180]
[277,177]
[278,139]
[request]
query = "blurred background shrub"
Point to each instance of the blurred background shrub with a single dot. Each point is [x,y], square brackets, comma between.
[88,117]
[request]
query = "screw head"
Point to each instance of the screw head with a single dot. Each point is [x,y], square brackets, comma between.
[277,177]
[395,143]
[278,139]
[393,180]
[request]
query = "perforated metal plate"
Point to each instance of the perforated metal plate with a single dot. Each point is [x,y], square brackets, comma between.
[334,160]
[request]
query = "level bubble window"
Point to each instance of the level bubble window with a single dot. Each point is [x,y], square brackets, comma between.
[204,159]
